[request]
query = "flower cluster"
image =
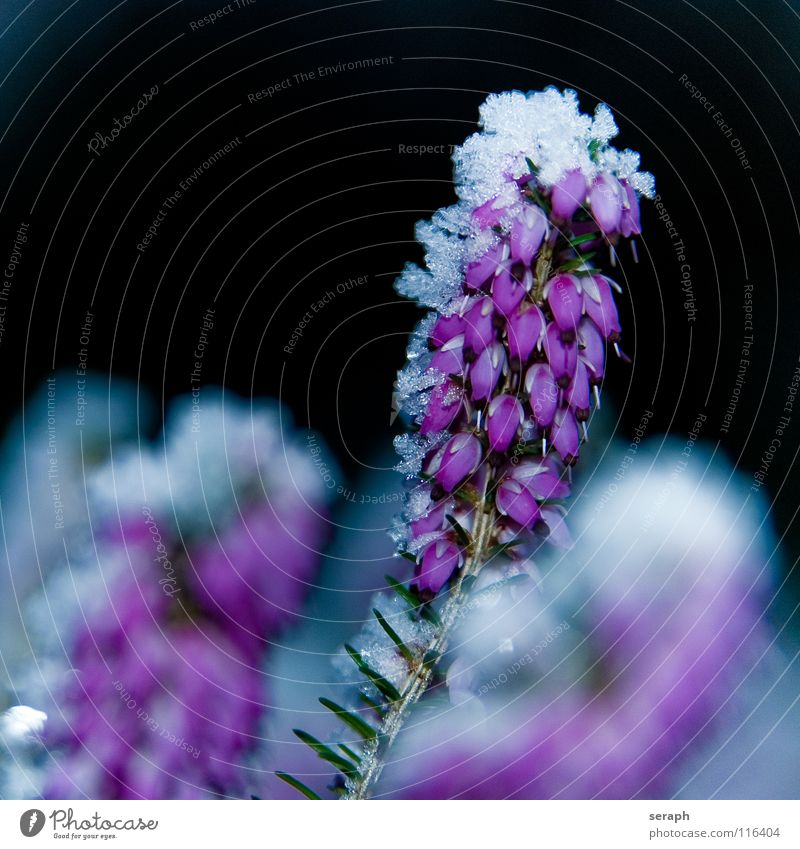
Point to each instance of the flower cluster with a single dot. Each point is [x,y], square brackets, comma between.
[204,548]
[502,371]
[618,679]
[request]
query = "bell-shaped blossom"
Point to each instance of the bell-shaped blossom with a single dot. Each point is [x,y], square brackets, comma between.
[565,299]
[486,370]
[568,194]
[439,560]
[605,200]
[460,458]
[479,329]
[503,420]
[527,232]
[565,436]
[518,502]
[540,384]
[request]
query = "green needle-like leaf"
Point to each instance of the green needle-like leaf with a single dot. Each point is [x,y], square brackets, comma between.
[394,636]
[386,687]
[464,538]
[353,720]
[350,753]
[298,785]
[326,753]
[577,262]
[586,237]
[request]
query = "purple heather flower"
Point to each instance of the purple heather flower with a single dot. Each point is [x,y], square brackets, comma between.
[542,392]
[518,502]
[565,299]
[446,327]
[577,393]
[568,194]
[605,199]
[458,460]
[525,329]
[443,407]
[449,359]
[485,371]
[165,695]
[593,349]
[527,232]
[600,306]
[507,293]
[629,224]
[565,436]
[479,328]
[439,560]
[533,345]
[562,356]
[503,420]
[489,214]
[542,482]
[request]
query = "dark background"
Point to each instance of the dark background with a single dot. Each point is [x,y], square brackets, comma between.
[318,192]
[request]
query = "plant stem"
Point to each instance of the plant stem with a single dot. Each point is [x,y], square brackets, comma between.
[374,753]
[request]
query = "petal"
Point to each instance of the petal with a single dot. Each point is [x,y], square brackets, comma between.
[542,392]
[443,407]
[593,349]
[480,272]
[562,356]
[525,329]
[602,309]
[446,327]
[605,199]
[485,371]
[461,457]
[568,194]
[564,435]
[479,328]
[577,393]
[527,232]
[629,223]
[439,560]
[507,293]
[515,501]
[559,532]
[503,420]
[565,299]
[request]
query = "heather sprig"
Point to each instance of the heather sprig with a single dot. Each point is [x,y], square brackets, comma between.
[501,379]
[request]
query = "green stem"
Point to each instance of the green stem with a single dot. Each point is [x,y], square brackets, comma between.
[374,753]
